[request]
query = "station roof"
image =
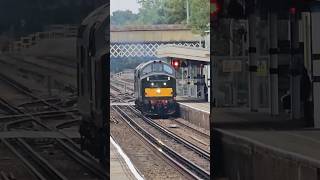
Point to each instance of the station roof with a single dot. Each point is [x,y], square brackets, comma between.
[184,52]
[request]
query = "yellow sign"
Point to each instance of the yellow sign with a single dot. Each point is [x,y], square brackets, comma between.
[158,92]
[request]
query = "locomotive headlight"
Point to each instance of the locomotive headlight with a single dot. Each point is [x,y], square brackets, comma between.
[152,84]
[158,91]
[169,78]
[164,83]
[148,78]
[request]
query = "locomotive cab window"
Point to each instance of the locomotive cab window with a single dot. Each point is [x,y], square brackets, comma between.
[147,70]
[157,67]
[167,69]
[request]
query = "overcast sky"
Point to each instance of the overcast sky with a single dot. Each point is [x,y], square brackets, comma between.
[124,5]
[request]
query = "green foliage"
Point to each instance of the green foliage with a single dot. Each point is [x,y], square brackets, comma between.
[176,11]
[200,15]
[123,17]
[167,12]
[150,12]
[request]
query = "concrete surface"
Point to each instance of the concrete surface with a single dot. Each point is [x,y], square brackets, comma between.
[196,113]
[119,169]
[256,146]
[269,155]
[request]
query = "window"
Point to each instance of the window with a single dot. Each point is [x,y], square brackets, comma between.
[147,69]
[167,69]
[157,67]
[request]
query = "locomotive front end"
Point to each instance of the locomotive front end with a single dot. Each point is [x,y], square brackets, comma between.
[159,95]
[156,88]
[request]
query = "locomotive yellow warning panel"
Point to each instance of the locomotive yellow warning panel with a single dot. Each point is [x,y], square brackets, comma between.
[158,92]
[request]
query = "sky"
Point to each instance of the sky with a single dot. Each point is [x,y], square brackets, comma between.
[124,5]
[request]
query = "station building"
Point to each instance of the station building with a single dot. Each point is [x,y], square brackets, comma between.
[193,69]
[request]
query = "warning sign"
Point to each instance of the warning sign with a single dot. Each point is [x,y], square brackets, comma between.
[231,66]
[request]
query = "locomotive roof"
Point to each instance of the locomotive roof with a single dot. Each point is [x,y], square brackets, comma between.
[140,69]
[100,14]
[142,65]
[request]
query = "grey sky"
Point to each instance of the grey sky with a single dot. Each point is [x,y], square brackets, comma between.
[124,5]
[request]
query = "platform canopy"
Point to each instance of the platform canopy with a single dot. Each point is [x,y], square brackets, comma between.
[184,52]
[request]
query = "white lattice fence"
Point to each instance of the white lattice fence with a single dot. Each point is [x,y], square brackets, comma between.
[141,50]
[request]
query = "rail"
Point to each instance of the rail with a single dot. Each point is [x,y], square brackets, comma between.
[188,166]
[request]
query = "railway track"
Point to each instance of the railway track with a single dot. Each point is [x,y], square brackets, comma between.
[186,131]
[193,160]
[191,128]
[7,176]
[59,60]
[42,114]
[119,96]
[198,133]
[125,85]
[4,105]
[54,67]
[149,161]
[42,168]
[187,147]
[27,120]
[26,91]
[38,165]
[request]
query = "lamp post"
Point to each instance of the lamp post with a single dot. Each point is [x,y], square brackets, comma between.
[188,15]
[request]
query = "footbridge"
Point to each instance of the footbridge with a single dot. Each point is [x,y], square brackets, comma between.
[143,41]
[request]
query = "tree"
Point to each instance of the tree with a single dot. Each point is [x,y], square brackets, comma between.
[176,11]
[122,17]
[200,15]
[152,12]
[167,12]
[162,12]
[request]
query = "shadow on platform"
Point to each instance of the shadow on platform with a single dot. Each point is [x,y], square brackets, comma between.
[243,118]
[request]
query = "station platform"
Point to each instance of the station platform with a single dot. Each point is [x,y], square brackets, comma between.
[196,112]
[242,118]
[120,165]
[198,106]
[255,145]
